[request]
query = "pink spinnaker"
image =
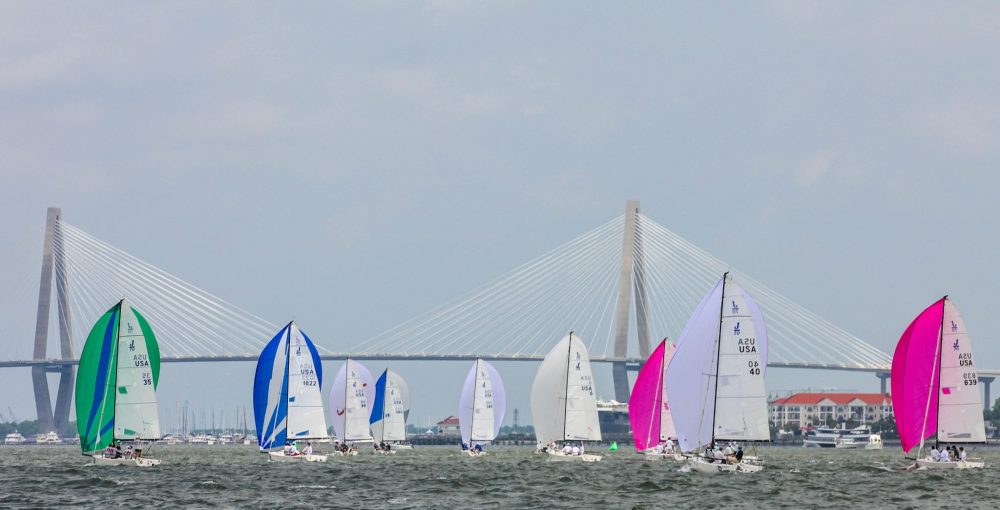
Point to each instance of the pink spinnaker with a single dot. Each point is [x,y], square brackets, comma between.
[915,377]
[646,406]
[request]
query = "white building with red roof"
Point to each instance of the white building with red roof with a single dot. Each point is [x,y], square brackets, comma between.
[803,409]
[449,427]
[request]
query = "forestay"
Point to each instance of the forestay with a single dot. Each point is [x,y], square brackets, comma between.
[482,404]
[563,404]
[352,397]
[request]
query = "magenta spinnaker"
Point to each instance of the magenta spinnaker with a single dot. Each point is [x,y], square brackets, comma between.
[914,384]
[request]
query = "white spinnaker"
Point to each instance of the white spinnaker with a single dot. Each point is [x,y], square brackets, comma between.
[741,400]
[691,374]
[563,404]
[306,419]
[667,430]
[136,414]
[960,415]
[351,397]
[392,426]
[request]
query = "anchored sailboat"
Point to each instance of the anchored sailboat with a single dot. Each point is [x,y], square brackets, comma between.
[481,407]
[352,397]
[388,418]
[287,403]
[648,407]
[935,386]
[563,403]
[715,381]
[116,389]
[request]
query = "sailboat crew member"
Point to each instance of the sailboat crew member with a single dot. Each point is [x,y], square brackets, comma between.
[308,450]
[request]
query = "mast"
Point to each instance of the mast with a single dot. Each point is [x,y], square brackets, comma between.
[718,352]
[659,387]
[347,376]
[385,393]
[569,361]
[472,421]
[288,353]
[940,358]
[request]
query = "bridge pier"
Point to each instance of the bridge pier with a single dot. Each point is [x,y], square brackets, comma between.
[52,261]
[986,381]
[883,377]
[631,268]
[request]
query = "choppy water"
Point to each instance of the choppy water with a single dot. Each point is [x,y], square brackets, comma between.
[438,477]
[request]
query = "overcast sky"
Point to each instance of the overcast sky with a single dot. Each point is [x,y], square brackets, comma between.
[844,153]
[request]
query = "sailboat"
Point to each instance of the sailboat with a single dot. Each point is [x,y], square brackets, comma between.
[388,418]
[715,381]
[935,386]
[563,403]
[648,407]
[481,407]
[116,389]
[352,397]
[287,403]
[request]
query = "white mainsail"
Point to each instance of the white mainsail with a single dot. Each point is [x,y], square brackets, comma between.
[563,404]
[725,342]
[136,414]
[351,397]
[667,430]
[960,416]
[306,419]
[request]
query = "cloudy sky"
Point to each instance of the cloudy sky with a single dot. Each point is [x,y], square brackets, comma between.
[844,153]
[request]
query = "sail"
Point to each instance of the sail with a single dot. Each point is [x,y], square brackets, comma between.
[914,377]
[388,418]
[136,415]
[691,374]
[667,430]
[95,384]
[741,398]
[306,419]
[960,415]
[116,395]
[270,392]
[483,403]
[563,404]
[646,401]
[352,397]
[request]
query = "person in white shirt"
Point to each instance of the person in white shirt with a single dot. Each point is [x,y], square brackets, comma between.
[719,455]
[576,450]
[308,450]
[581,448]
[567,449]
[962,456]
[935,455]
[669,447]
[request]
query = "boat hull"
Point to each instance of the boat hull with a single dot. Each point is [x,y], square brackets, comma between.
[559,456]
[662,456]
[961,464]
[281,457]
[700,465]
[100,460]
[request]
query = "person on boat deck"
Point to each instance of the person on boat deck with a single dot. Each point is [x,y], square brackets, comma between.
[962,456]
[669,446]
[567,449]
[308,450]
[576,450]
[292,449]
[478,448]
[581,448]
[388,447]
[128,452]
[118,450]
[719,456]
[935,454]
[739,454]
[343,448]
[465,446]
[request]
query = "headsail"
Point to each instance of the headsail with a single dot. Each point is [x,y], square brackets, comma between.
[352,397]
[116,395]
[931,367]
[648,408]
[563,404]
[388,417]
[483,403]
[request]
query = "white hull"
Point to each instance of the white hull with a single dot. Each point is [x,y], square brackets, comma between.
[351,453]
[281,457]
[703,466]
[402,446]
[100,460]
[662,456]
[927,463]
[559,456]
[470,453]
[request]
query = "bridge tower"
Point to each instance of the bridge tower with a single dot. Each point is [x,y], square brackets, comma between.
[631,281]
[52,262]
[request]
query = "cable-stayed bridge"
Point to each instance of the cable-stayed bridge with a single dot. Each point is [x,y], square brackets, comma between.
[621,287]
